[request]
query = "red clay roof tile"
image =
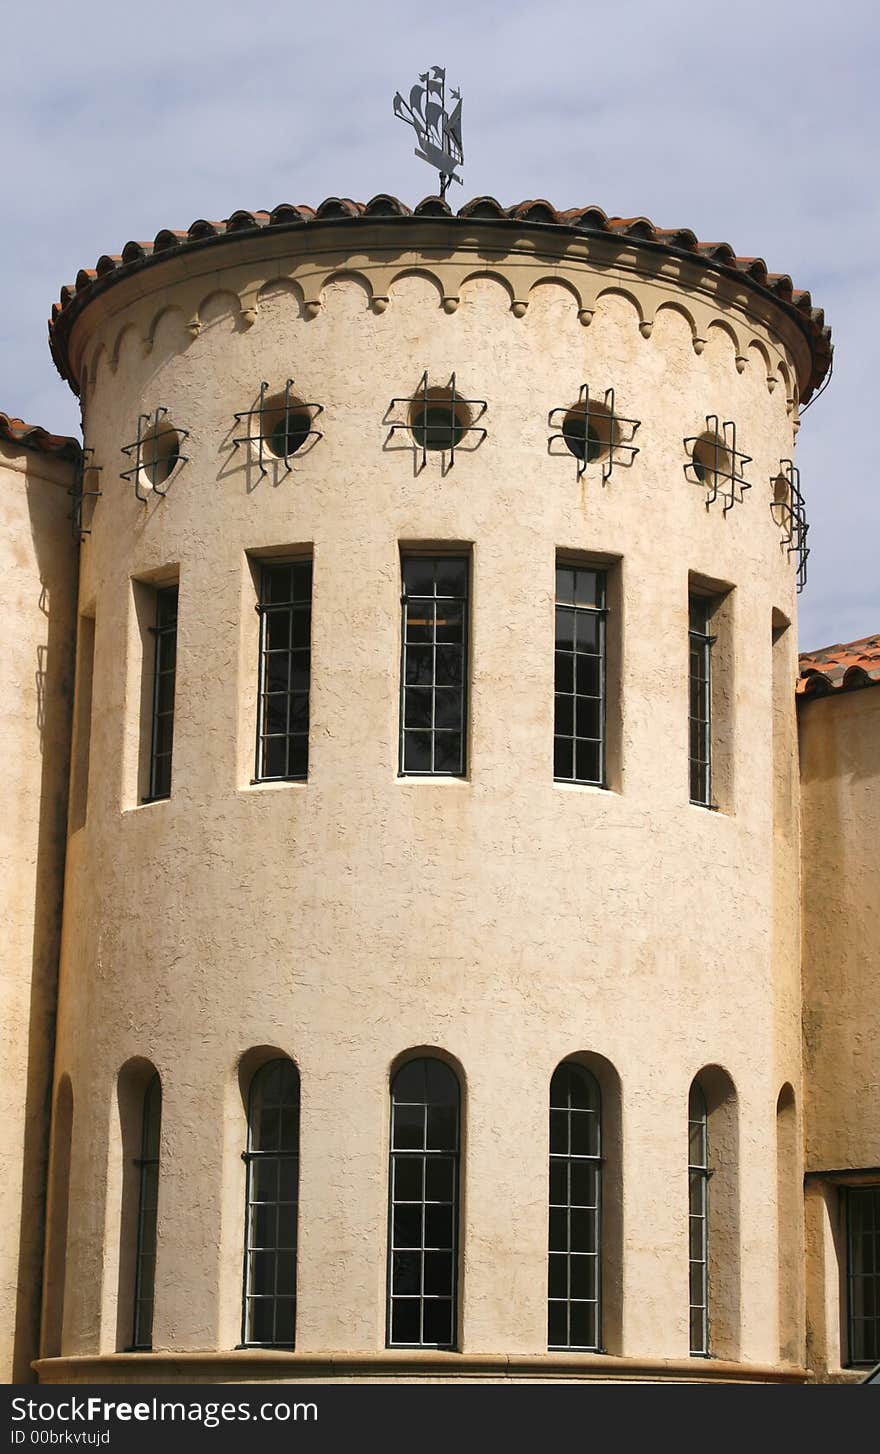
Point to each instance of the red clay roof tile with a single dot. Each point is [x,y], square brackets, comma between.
[31,436]
[840,668]
[535,212]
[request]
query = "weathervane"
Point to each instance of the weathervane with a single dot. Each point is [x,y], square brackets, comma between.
[438,131]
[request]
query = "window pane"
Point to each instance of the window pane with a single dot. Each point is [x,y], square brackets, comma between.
[408,1179]
[417,751]
[406,1321]
[406,1272]
[437,1315]
[447,752]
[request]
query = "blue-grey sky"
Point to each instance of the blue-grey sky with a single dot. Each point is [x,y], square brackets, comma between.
[754,124]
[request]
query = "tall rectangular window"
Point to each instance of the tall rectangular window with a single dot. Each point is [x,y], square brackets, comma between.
[434,668]
[863,1273]
[164,673]
[579,737]
[285,671]
[700,706]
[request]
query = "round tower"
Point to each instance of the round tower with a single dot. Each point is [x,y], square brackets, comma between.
[430,975]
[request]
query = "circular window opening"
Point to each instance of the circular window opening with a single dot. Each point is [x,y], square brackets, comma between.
[285,429]
[438,422]
[160,452]
[711,459]
[589,431]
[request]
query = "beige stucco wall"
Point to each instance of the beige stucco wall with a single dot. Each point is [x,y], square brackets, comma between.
[507,920]
[840,766]
[37,602]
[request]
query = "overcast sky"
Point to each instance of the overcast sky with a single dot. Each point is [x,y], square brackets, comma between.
[755,124]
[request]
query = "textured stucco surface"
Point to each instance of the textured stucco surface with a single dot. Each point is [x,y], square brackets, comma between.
[840,805]
[504,919]
[840,808]
[37,604]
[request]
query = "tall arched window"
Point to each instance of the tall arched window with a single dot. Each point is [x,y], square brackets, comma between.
[698,1219]
[272,1159]
[148,1194]
[575,1242]
[423,1197]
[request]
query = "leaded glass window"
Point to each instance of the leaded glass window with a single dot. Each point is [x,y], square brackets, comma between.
[272,1196]
[700,707]
[579,721]
[435,634]
[863,1273]
[698,1219]
[423,1214]
[148,1192]
[575,1234]
[285,671]
[164,675]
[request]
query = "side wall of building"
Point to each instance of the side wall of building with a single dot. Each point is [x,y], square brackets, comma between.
[37,599]
[840,785]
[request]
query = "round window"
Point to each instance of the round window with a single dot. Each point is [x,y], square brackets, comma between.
[160,451]
[589,431]
[581,435]
[711,459]
[438,422]
[287,434]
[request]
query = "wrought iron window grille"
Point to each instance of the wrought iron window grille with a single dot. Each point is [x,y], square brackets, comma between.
[619,445]
[426,397]
[79,494]
[151,428]
[723,467]
[283,427]
[791,516]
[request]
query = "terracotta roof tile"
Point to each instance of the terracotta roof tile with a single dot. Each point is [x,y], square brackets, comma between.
[840,668]
[31,436]
[535,212]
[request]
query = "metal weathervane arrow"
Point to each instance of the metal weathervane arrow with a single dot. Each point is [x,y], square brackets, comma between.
[437,129]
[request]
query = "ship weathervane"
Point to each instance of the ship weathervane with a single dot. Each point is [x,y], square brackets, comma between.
[438,130]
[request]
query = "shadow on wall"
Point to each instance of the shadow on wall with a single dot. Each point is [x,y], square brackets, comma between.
[56,558]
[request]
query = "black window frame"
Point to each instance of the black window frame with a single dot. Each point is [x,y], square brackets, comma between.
[419,1162]
[568,1237]
[700,643]
[294,608]
[588,618]
[412,664]
[698,1220]
[164,633]
[147,1217]
[255,1158]
[862,1354]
